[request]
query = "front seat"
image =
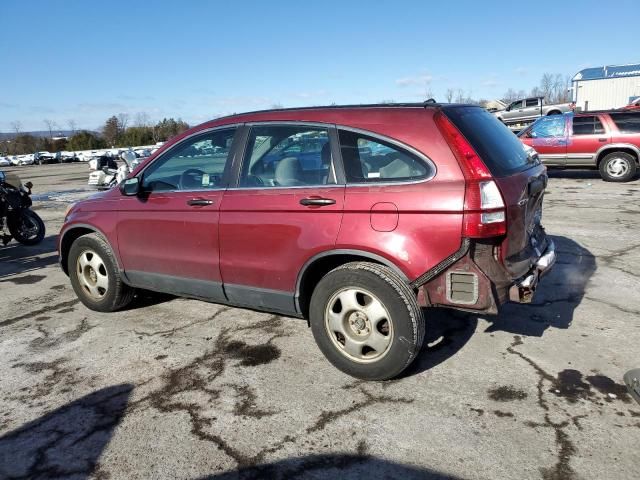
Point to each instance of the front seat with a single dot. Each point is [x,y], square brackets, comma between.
[289,173]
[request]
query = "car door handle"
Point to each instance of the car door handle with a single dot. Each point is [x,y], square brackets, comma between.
[199,202]
[317,202]
[602,140]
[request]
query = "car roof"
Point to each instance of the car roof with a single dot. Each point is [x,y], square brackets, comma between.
[355,107]
[327,113]
[604,112]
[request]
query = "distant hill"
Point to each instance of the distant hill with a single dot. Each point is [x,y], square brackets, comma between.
[37,133]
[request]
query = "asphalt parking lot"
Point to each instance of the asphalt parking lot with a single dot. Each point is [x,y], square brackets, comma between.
[176,388]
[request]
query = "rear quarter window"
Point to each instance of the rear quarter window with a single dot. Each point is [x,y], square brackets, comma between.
[501,151]
[627,122]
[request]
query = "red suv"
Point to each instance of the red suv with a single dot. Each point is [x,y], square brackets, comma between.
[351,217]
[608,141]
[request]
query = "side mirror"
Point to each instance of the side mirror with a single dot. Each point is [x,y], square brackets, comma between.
[130,186]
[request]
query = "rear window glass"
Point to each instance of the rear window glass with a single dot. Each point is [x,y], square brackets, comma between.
[501,151]
[627,122]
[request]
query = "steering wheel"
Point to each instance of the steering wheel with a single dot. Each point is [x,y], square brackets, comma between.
[189,180]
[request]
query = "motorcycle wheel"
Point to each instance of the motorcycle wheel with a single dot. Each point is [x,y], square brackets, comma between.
[27,227]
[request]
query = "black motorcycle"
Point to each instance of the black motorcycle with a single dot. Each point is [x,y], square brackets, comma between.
[15,213]
[632,380]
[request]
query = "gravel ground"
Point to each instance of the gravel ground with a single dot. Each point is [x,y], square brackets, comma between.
[176,388]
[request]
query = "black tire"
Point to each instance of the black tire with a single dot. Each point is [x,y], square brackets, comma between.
[406,323]
[618,167]
[117,294]
[27,227]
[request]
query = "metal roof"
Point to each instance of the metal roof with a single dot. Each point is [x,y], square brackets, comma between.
[608,71]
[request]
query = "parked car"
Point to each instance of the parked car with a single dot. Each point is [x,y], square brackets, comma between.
[635,105]
[14,160]
[446,214]
[524,111]
[608,141]
[66,156]
[28,159]
[44,157]
[5,162]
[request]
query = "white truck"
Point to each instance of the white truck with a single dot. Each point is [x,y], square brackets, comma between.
[525,111]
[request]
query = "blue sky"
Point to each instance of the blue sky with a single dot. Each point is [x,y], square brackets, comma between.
[87,60]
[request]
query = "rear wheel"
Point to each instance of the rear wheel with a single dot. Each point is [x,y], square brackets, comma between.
[95,276]
[26,227]
[366,321]
[618,167]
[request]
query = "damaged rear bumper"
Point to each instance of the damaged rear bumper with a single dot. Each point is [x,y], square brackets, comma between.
[522,291]
[474,280]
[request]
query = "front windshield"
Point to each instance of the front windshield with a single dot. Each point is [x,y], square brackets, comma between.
[546,127]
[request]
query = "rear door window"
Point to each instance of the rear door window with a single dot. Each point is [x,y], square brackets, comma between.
[369,159]
[626,122]
[287,156]
[501,151]
[532,102]
[587,125]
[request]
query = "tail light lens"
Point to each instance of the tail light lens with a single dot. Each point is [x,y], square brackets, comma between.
[484,210]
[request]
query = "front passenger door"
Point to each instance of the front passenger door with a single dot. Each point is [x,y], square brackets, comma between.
[549,137]
[168,235]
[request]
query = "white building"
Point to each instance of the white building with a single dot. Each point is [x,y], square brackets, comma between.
[602,88]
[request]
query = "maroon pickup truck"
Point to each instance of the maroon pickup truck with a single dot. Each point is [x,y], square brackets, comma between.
[606,140]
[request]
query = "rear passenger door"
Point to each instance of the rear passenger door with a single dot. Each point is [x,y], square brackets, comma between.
[588,136]
[286,207]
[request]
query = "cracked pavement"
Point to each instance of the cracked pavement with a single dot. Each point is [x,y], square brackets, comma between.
[176,388]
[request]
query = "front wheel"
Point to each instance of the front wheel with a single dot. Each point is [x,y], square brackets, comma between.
[618,167]
[26,227]
[95,277]
[366,321]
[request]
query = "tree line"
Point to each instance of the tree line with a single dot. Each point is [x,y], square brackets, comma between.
[116,132]
[553,87]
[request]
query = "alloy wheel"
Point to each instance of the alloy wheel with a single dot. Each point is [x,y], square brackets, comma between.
[359,325]
[92,274]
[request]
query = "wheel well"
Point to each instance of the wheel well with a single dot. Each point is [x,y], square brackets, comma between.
[65,245]
[554,112]
[606,152]
[318,269]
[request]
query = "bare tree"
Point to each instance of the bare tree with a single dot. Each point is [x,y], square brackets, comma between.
[72,125]
[547,85]
[50,126]
[449,95]
[123,121]
[17,126]
[142,120]
[428,93]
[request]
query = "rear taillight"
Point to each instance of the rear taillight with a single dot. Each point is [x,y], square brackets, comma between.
[484,209]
